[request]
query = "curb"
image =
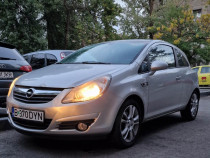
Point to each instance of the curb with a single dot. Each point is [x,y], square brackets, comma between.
[4,124]
[204,92]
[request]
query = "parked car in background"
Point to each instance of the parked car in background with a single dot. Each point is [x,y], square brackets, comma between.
[203,74]
[12,65]
[107,89]
[44,58]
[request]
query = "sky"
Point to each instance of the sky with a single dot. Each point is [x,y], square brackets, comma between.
[119,2]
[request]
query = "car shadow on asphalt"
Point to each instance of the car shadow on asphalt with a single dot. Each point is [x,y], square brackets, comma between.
[149,128]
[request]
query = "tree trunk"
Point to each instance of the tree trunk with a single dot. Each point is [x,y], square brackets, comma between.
[151,7]
[67,29]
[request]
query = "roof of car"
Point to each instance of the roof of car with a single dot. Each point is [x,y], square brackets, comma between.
[6,45]
[48,51]
[134,40]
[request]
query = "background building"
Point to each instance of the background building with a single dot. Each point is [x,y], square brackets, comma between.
[199,7]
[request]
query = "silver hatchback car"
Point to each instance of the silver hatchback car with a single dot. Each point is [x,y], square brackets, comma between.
[108,88]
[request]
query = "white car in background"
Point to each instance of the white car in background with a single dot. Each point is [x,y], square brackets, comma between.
[44,58]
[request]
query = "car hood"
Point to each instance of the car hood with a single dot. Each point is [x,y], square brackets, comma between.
[66,75]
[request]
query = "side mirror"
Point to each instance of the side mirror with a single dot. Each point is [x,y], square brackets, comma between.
[158,65]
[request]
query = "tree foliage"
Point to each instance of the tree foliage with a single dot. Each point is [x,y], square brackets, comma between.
[177,25]
[136,17]
[34,25]
[21,25]
[57,24]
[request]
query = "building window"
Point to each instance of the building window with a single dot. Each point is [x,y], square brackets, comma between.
[197,13]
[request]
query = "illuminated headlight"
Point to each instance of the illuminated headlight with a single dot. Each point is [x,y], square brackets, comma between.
[12,85]
[87,91]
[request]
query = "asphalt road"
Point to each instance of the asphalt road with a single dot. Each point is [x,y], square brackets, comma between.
[167,137]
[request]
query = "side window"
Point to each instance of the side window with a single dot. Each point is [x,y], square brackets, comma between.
[145,66]
[205,70]
[181,59]
[162,53]
[37,61]
[51,59]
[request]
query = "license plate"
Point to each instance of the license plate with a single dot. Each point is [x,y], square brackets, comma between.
[4,75]
[28,114]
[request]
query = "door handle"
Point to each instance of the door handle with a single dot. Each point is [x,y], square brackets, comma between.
[178,78]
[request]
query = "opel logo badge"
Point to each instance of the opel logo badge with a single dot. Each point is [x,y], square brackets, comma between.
[30,93]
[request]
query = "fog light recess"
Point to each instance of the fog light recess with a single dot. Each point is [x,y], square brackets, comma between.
[82,126]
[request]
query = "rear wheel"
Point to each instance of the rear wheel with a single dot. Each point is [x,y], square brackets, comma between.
[191,110]
[126,127]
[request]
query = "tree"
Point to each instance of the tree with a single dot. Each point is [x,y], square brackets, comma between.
[95,22]
[54,18]
[177,24]
[137,16]
[76,23]
[21,24]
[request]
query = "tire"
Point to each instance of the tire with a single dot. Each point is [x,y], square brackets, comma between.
[126,127]
[191,110]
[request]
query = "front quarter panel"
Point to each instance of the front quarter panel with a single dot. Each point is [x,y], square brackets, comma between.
[128,83]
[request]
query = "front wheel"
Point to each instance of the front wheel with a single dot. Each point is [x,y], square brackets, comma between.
[126,127]
[191,110]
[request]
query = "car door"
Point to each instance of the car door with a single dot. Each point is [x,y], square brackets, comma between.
[164,86]
[184,73]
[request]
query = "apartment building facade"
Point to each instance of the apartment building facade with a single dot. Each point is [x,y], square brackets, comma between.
[199,7]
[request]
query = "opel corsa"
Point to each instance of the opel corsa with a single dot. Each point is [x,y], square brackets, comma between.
[109,88]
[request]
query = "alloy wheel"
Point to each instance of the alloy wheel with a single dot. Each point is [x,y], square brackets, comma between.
[194,105]
[129,123]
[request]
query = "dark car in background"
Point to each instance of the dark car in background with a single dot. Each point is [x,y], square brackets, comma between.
[44,58]
[12,65]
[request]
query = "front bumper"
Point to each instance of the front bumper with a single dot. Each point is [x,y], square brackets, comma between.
[102,111]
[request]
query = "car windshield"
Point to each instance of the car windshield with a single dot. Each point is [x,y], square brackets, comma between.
[116,52]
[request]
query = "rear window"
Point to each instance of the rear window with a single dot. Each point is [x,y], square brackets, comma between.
[51,59]
[9,54]
[205,70]
[37,61]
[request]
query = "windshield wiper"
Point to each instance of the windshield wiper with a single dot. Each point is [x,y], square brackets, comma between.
[2,58]
[93,62]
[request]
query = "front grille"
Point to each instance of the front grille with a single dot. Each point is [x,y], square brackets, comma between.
[32,124]
[35,95]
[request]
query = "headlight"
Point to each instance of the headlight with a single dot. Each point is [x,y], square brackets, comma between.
[12,85]
[87,91]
